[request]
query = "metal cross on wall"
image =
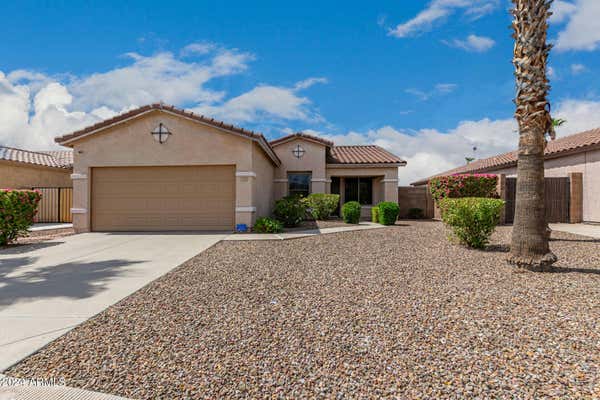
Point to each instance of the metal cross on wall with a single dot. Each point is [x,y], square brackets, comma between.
[298,151]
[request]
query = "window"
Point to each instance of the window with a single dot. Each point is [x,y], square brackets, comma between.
[359,189]
[299,184]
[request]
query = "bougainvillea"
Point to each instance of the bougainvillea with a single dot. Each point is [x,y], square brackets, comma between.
[17,209]
[463,185]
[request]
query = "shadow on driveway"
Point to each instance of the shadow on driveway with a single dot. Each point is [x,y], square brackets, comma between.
[75,280]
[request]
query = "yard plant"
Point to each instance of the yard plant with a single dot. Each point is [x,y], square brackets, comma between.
[375,215]
[472,219]
[290,210]
[388,212]
[17,209]
[463,185]
[322,205]
[530,236]
[351,212]
[267,225]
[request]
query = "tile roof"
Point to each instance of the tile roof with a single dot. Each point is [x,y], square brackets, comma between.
[369,154]
[301,135]
[556,148]
[54,159]
[65,139]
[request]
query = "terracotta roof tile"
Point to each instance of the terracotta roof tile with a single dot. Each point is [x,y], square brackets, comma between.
[301,135]
[370,154]
[54,159]
[566,145]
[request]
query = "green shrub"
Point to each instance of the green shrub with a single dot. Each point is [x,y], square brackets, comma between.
[463,185]
[267,225]
[17,209]
[322,205]
[388,212]
[375,215]
[415,213]
[290,210]
[351,212]
[472,219]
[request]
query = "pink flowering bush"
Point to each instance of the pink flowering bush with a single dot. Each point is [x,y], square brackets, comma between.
[17,209]
[463,185]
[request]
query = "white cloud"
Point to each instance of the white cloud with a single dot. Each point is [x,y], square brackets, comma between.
[561,11]
[439,89]
[266,101]
[35,108]
[200,48]
[551,72]
[577,69]
[438,10]
[581,31]
[472,43]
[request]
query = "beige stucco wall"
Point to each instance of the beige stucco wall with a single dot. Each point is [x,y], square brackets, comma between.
[26,176]
[587,163]
[191,143]
[264,185]
[312,161]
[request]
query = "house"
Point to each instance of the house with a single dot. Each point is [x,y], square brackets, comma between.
[24,169]
[576,157]
[159,168]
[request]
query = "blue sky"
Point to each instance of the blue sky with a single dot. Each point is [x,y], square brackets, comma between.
[428,80]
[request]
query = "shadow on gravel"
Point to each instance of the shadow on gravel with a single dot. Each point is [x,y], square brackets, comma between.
[566,270]
[575,240]
[497,248]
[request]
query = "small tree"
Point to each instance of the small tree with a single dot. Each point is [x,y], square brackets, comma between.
[17,209]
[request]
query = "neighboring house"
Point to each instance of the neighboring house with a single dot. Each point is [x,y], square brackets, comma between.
[578,153]
[161,168]
[24,169]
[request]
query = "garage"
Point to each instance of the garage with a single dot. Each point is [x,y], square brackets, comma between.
[173,198]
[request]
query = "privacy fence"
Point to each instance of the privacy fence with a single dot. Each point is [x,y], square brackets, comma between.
[55,205]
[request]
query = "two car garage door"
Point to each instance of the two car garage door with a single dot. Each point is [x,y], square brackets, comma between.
[163,198]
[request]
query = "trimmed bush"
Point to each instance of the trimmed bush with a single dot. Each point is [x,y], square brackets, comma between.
[322,205]
[17,209]
[472,219]
[388,212]
[415,213]
[465,185]
[267,225]
[375,215]
[290,210]
[351,212]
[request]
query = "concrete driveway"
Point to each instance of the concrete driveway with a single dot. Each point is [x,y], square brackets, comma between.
[46,289]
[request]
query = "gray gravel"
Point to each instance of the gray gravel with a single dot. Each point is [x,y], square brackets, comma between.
[395,312]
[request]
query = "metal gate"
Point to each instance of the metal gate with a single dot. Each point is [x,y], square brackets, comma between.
[55,205]
[557,199]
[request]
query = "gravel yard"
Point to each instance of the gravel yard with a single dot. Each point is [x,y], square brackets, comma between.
[395,312]
[40,236]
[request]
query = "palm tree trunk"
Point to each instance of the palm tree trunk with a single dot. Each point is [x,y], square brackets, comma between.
[529,248]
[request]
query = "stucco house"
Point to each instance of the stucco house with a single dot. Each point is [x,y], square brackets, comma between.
[575,156]
[160,168]
[25,169]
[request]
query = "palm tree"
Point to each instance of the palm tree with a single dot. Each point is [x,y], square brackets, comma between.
[530,248]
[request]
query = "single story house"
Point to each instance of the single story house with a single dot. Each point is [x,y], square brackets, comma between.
[24,169]
[159,168]
[574,154]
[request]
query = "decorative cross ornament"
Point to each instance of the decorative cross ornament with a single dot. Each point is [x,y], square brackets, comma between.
[161,133]
[298,151]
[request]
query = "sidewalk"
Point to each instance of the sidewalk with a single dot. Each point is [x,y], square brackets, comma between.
[300,234]
[578,229]
[49,226]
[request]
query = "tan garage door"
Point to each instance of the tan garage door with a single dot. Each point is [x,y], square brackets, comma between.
[163,198]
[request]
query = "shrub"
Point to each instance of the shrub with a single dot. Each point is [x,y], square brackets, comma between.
[267,225]
[375,215]
[322,205]
[290,210]
[415,213]
[388,212]
[351,212]
[465,185]
[472,219]
[17,209]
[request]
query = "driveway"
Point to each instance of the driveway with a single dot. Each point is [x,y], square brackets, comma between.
[591,230]
[46,289]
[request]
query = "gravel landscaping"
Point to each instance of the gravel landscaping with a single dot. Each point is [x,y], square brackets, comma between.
[396,312]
